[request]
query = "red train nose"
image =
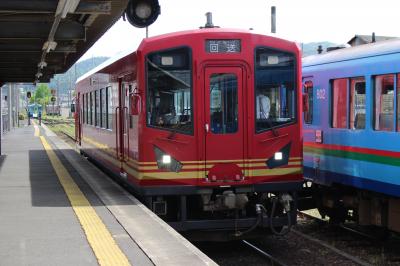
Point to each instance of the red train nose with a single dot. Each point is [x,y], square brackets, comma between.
[225,172]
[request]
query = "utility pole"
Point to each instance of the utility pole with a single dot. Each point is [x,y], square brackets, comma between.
[58,101]
[17,93]
[69,95]
[9,106]
[1,116]
[273,19]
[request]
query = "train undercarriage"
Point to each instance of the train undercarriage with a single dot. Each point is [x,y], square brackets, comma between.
[341,203]
[222,214]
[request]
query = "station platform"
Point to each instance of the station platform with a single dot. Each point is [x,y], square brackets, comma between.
[56,208]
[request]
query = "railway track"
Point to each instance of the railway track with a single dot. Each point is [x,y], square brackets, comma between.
[332,248]
[361,247]
[342,226]
[69,136]
[274,261]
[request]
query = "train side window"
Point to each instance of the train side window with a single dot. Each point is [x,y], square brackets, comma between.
[83,109]
[339,103]
[91,108]
[98,111]
[87,108]
[95,107]
[103,107]
[398,102]
[357,103]
[384,102]
[109,108]
[308,90]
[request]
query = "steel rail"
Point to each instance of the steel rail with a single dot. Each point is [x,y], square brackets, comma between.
[69,136]
[342,226]
[273,260]
[332,248]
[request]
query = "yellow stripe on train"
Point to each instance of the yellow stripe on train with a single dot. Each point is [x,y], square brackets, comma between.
[248,163]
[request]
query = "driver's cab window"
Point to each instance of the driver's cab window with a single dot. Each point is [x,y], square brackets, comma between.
[169,90]
[275,96]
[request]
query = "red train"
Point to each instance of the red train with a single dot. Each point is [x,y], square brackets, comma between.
[203,125]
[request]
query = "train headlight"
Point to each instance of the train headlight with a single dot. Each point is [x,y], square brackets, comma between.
[280,157]
[166,161]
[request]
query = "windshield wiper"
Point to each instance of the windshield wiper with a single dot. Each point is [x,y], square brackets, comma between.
[168,74]
[274,131]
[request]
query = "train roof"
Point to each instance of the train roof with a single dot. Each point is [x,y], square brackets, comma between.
[210,31]
[105,64]
[159,38]
[357,52]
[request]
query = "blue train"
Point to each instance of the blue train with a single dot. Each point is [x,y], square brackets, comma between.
[34,110]
[352,133]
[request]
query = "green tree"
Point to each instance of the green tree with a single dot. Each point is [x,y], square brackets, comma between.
[32,99]
[42,95]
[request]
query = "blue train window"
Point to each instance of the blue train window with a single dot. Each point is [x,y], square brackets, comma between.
[384,103]
[308,109]
[357,103]
[398,102]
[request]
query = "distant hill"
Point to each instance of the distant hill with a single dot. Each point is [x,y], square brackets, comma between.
[312,47]
[66,81]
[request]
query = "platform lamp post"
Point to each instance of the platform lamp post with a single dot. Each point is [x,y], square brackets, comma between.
[28,97]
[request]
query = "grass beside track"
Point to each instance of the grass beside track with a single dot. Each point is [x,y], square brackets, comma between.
[60,125]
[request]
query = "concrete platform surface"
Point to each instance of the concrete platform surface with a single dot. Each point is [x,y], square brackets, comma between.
[38,226]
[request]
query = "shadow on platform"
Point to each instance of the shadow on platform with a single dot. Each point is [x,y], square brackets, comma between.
[46,189]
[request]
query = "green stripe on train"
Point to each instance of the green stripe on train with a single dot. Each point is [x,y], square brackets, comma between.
[355,156]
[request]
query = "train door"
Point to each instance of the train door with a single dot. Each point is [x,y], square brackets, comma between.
[125,121]
[123,125]
[78,118]
[119,132]
[224,123]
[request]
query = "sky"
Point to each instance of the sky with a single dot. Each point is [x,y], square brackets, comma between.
[297,20]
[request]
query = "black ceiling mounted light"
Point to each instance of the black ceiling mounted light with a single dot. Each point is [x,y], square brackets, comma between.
[142,13]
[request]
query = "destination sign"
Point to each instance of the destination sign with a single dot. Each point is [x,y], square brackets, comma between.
[223,46]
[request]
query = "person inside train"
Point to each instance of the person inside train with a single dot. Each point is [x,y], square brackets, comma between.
[263,106]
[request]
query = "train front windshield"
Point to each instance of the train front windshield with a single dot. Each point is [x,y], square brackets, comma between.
[275,97]
[169,101]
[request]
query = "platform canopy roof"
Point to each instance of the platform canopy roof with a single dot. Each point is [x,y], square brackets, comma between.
[40,38]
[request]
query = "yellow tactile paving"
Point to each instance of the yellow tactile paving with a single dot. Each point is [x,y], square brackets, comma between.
[37,131]
[102,243]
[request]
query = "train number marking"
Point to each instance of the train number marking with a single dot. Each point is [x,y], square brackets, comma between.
[321,94]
